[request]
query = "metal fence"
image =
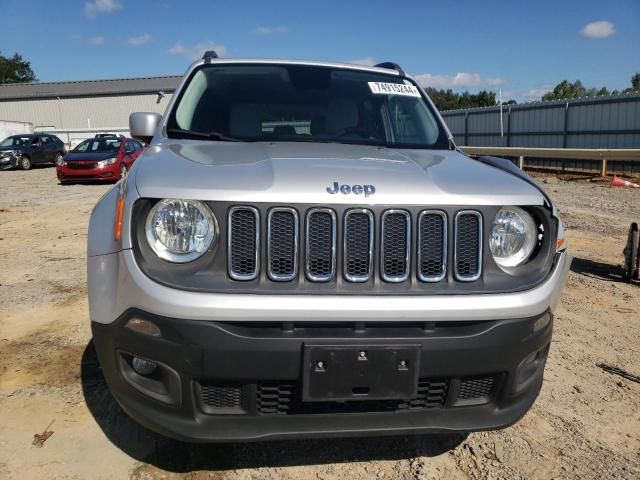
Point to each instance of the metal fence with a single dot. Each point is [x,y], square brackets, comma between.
[590,122]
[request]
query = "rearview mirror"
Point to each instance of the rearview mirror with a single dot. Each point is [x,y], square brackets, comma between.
[143,125]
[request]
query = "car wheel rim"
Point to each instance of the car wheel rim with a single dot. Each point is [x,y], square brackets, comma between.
[123,170]
[25,163]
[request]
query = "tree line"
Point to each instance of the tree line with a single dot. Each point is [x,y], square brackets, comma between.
[16,69]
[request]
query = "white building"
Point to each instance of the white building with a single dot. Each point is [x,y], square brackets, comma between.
[77,110]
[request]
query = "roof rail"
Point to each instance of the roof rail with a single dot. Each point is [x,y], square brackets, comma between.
[391,66]
[209,54]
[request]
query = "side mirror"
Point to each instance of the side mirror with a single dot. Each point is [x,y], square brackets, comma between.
[143,125]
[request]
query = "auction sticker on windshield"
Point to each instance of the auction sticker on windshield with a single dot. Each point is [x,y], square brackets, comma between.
[381,88]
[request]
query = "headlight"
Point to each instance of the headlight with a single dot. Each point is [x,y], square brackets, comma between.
[513,237]
[108,161]
[180,230]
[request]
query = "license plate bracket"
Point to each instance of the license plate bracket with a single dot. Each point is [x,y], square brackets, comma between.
[363,372]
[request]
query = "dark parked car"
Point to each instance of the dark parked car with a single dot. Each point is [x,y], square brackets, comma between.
[100,158]
[24,151]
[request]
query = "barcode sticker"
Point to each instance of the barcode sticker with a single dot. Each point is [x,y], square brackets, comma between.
[381,88]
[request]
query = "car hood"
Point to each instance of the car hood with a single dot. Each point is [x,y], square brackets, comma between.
[290,172]
[89,156]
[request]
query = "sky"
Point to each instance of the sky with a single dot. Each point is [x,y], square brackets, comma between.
[521,47]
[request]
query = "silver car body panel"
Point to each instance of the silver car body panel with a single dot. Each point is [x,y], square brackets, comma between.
[290,172]
[117,284]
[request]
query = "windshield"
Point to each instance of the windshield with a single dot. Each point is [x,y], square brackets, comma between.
[304,103]
[99,145]
[15,141]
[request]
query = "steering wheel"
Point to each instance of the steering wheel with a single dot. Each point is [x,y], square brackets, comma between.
[361,131]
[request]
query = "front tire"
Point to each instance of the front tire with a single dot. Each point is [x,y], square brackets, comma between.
[24,163]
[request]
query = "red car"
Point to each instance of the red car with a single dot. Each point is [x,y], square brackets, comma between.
[101,158]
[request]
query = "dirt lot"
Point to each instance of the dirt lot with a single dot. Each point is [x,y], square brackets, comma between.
[586,423]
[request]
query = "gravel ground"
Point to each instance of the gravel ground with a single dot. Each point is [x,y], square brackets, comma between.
[586,423]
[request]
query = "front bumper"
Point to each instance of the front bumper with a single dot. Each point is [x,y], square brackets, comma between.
[67,174]
[9,161]
[241,381]
[117,284]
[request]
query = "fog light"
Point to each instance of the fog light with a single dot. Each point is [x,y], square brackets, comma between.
[142,366]
[143,326]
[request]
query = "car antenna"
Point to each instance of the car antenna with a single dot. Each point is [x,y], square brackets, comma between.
[391,66]
[209,55]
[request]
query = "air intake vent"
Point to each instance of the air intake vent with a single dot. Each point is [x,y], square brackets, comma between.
[321,245]
[396,234]
[476,390]
[220,396]
[282,244]
[432,245]
[243,243]
[468,245]
[358,245]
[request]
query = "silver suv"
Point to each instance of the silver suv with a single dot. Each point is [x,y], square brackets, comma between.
[302,251]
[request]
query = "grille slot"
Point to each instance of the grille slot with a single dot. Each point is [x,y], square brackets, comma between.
[468,245]
[243,243]
[475,388]
[358,245]
[395,245]
[432,245]
[275,398]
[321,245]
[221,396]
[82,165]
[282,244]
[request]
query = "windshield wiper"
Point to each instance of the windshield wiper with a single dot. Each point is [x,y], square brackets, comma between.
[209,136]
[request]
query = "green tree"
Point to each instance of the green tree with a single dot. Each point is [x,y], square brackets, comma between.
[15,70]
[635,84]
[450,100]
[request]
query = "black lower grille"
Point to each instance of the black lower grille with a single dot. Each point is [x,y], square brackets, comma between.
[81,165]
[284,398]
[220,396]
[476,388]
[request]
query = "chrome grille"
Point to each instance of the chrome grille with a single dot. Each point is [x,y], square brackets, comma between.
[468,245]
[282,244]
[394,255]
[321,245]
[243,243]
[362,251]
[358,245]
[432,245]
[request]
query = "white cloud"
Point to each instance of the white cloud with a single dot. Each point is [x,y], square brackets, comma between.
[95,7]
[140,40]
[600,29]
[459,80]
[537,93]
[97,40]
[367,61]
[195,52]
[270,30]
